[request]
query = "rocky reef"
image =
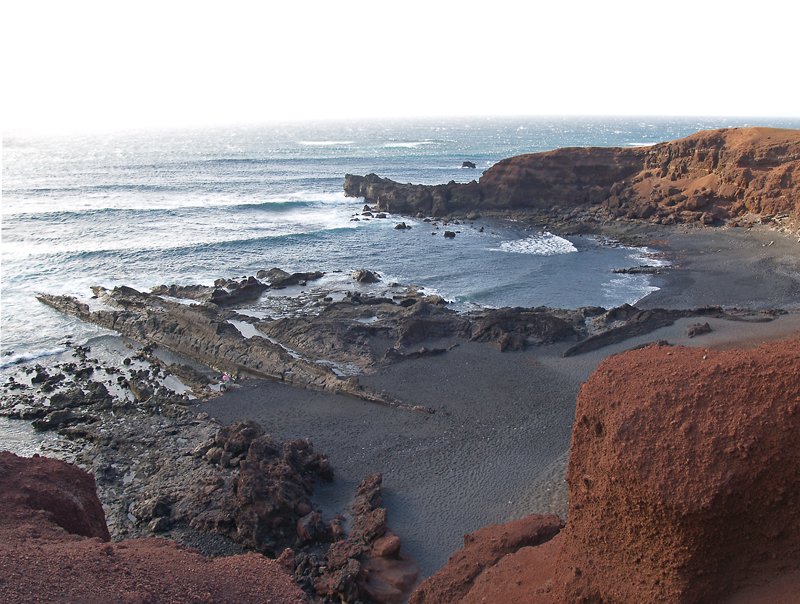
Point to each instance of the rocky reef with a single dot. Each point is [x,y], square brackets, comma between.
[326,350]
[682,487]
[705,178]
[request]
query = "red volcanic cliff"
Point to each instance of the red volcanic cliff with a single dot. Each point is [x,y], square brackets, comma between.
[706,177]
[683,488]
[54,547]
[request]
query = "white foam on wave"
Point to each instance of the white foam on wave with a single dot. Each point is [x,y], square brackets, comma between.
[628,288]
[647,257]
[16,359]
[325,143]
[545,244]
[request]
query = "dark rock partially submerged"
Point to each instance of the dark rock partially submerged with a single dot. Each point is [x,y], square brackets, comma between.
[326,351]
[367,565]
[203,333]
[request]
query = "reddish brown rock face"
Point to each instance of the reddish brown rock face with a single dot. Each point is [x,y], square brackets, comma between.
[46,489]
[683,475]
[683,489]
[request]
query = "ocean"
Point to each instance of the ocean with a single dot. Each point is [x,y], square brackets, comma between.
[145,208]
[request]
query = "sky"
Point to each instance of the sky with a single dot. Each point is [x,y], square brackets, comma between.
[72,65]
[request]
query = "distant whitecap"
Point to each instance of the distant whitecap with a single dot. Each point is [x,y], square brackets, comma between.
[408,145]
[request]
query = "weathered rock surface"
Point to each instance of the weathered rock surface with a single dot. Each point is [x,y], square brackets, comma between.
[683,488]
[203,333]
[683,476]
[704,178]
[55,548]
[162,471]
[262,496]
[326,351]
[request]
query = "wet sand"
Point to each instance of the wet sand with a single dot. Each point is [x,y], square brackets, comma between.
[496,447]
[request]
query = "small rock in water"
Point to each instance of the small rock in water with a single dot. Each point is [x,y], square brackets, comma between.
[363,275]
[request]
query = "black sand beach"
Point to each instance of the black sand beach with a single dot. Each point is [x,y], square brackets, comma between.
[755,268]
[496,447]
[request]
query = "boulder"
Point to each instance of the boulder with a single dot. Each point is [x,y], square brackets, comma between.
[697,329]
[279,278]
[682,476]
[363,275]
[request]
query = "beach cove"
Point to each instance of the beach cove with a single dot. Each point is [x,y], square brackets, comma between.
[492,445]
[496,447]
[465,419]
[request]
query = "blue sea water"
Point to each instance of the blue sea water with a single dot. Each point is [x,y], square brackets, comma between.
[146,208]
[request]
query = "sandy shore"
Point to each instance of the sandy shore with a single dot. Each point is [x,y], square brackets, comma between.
[732,267]
[496,447]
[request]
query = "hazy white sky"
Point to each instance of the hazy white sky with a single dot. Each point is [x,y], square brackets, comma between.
[114,64]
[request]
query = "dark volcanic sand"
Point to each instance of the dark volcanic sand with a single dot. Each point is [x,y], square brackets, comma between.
[496,448]
[733,267]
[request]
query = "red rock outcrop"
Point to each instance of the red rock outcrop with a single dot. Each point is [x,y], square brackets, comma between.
[471,571]
[54,547]
[683,488]
[683,475]
[61,496]
[703,178]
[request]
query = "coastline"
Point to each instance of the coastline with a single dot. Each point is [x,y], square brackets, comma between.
[495,449]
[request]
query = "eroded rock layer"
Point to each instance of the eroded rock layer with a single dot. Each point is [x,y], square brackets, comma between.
[683,475]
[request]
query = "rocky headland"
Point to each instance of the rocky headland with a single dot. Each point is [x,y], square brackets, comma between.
[711,177]
[681,465]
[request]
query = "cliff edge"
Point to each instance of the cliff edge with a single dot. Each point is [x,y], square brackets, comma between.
[705,178]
